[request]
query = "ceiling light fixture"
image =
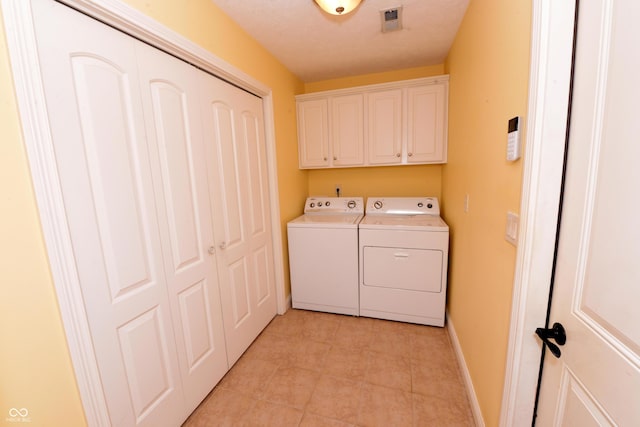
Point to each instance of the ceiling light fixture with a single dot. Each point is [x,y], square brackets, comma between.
[338,7]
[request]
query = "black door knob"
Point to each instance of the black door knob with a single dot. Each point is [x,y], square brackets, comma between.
[556,333]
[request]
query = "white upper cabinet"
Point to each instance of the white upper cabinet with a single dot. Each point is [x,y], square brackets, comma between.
[313,133]
[397,123]
[331,131]
[426,124]
[347,130]
[384,114]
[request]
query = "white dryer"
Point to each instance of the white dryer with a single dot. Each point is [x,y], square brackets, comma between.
[323,255]
[404,249]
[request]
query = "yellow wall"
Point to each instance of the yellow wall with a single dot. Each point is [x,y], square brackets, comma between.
[399,181]
[488,68]
[35,368]
[423,180]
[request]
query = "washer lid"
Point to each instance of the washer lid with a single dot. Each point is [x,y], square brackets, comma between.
[404,222]
[328,220]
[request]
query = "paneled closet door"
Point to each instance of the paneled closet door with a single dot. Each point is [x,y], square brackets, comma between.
[93,99]
[170,96]
[235,142]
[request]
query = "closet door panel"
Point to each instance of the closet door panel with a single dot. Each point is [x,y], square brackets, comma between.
[174,127]
[258,198]
[256,167]
[239,286]
[227,192]
[90,79]
[196,319]
[176,165]
[263,260]
[234,135]
[116,183]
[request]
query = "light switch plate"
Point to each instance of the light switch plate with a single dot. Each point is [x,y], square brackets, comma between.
[511,233]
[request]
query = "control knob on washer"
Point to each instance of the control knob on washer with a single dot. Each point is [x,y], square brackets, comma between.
[377,204]
[351,204]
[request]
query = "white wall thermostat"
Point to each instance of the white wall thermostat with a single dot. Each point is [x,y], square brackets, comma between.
[513,139]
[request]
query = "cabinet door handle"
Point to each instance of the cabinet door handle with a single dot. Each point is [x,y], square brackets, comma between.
[410,154]
[397,154]
[325,159]
[223,245]
[211,250]
[335,158]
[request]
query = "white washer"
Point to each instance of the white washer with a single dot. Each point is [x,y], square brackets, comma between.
[323,255]
[404,249]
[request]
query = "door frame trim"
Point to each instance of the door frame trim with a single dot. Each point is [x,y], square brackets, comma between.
[549,82]
[25,67]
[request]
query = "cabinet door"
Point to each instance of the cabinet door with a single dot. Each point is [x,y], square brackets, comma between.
[385,127]
[313,133]
[170,96]
[426,124]
[235,141]
[347,130]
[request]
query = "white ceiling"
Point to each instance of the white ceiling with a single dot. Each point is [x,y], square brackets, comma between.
[317,46]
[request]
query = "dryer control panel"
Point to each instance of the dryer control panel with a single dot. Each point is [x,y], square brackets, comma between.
[337,205]
[403,206]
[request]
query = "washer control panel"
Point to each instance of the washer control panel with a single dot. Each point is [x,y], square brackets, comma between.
[337,205]
[402,206]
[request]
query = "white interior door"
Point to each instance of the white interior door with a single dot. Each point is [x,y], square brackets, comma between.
[596,381]
[235,142]
[93,99]
[170,96]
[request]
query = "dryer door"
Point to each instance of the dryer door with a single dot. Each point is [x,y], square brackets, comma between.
[403,268]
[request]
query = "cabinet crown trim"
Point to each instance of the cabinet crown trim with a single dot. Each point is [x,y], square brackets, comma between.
[374,87]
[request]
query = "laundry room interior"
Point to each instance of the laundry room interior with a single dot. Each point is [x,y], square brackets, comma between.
[477,187]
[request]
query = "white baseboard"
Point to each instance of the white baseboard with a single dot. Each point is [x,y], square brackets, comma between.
[471,393]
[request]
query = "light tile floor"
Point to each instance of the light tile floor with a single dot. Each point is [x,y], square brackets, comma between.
[319,369]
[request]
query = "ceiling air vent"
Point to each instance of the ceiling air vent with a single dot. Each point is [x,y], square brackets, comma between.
[391,19]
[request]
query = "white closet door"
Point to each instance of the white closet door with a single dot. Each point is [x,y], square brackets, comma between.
[235,141]
[170,97]
[93,98]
